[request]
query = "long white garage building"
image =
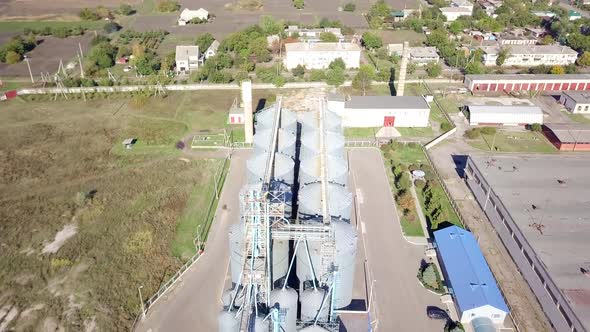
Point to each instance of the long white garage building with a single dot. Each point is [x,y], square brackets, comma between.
[380,111]
[514,115]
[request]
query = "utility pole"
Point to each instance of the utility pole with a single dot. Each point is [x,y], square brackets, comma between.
[29,66]
[80,47]
[80,62]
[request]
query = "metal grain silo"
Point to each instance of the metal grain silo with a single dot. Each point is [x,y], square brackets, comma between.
[310,144]
[313,328]
[311,301]
[261,325]
[280,259]
[310,203]
[286,142]
[287,301]
[265,119]
[311,121]
[227,322]
[283,171]
[310,170]
[304,269]
[236,250]
[346,242]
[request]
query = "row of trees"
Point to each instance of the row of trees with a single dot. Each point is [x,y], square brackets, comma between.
[14,50]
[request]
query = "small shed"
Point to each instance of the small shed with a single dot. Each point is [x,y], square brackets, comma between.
[236,113]
[474,289]
[9,95]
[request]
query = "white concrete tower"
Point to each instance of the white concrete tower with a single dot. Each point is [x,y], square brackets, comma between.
[248,116]
[402,70]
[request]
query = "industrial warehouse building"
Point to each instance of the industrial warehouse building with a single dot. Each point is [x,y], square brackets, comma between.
[320,55]
[476,295]
[576,102]
[527,82]
[568,137]
[380,111]
[504,115]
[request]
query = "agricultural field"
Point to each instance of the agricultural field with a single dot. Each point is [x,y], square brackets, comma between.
[55,9]
[85,221]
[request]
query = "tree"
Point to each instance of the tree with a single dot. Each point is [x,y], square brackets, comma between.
[126,9]
[547,40]
[363,79]
[502,56]
[317,75]
[349,7]
[111,27]
[12,57]
[474,68]
[298,71]
[299,4]
[103,55]
[60,32]
[147,64]
[584,59]
[204,41]
[270,26]
[536,127]
[456,27]
[411,68]
[337,64]
[371,40]
[328,37]
[433,69]
[335,76]
[557,70]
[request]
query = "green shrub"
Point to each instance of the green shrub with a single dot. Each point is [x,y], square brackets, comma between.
[299,4]
[473,133]
[317,75]
[349,7]
[536,127]
[168,6]
[298,71]
[404,182]
[446,126]
[488,130]
[12,57]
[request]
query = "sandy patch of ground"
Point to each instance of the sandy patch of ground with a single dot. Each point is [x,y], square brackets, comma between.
[303,100]
[7,313]
[60,238]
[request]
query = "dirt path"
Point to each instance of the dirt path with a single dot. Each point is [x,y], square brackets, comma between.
[525,308]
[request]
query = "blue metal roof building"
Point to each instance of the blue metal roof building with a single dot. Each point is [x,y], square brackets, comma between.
[474,288]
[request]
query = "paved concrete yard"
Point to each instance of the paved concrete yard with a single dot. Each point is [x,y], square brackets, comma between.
[400,301]
[194,303]
[558,226]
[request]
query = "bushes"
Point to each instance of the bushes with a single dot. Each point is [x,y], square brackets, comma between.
[472,133]
[536,127]
[111,27]
[317,75]
[14,50]
[488,130]
[446,126]
[12,57]
[349,7]
[430,278]
[299,4]
[168,6]
[298,71]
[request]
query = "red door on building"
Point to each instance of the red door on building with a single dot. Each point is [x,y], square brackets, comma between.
[388,121]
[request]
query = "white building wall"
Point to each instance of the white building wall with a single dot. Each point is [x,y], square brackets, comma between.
[495,315]
[511,119]
[527,60]
[321,60]
[574,107]
[367,118]
[453,16]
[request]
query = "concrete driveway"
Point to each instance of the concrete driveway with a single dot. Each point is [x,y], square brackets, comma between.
[400,301]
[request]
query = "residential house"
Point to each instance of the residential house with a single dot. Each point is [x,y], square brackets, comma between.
[395,49]
[543,13]
[319,55]
[462,4]
[574,15]
[212,49]
[537,32]
[187,15]
[510,39]
[453,13]
[423,55]
[530,55]
[576,101]
[187,58]
[401,15]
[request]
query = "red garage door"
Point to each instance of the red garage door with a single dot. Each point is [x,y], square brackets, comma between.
[565,86]
[388,121]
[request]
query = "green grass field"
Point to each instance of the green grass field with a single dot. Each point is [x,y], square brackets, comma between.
[580,118]
[18,26]
[416,132]
[136,211]
[353,133]
[513,141]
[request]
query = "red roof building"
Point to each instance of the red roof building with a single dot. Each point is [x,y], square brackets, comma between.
[527,82]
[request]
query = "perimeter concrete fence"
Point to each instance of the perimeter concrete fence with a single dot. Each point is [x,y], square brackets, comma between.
[554,304]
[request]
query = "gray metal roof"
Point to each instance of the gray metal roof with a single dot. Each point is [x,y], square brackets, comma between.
[578,96]
[504,109]
[387,102]
[570,133]
[503,77]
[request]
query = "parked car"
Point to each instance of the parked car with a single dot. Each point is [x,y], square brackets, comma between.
[436,313]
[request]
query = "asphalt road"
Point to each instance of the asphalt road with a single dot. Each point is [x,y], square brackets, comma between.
[194,303]
[400,301]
